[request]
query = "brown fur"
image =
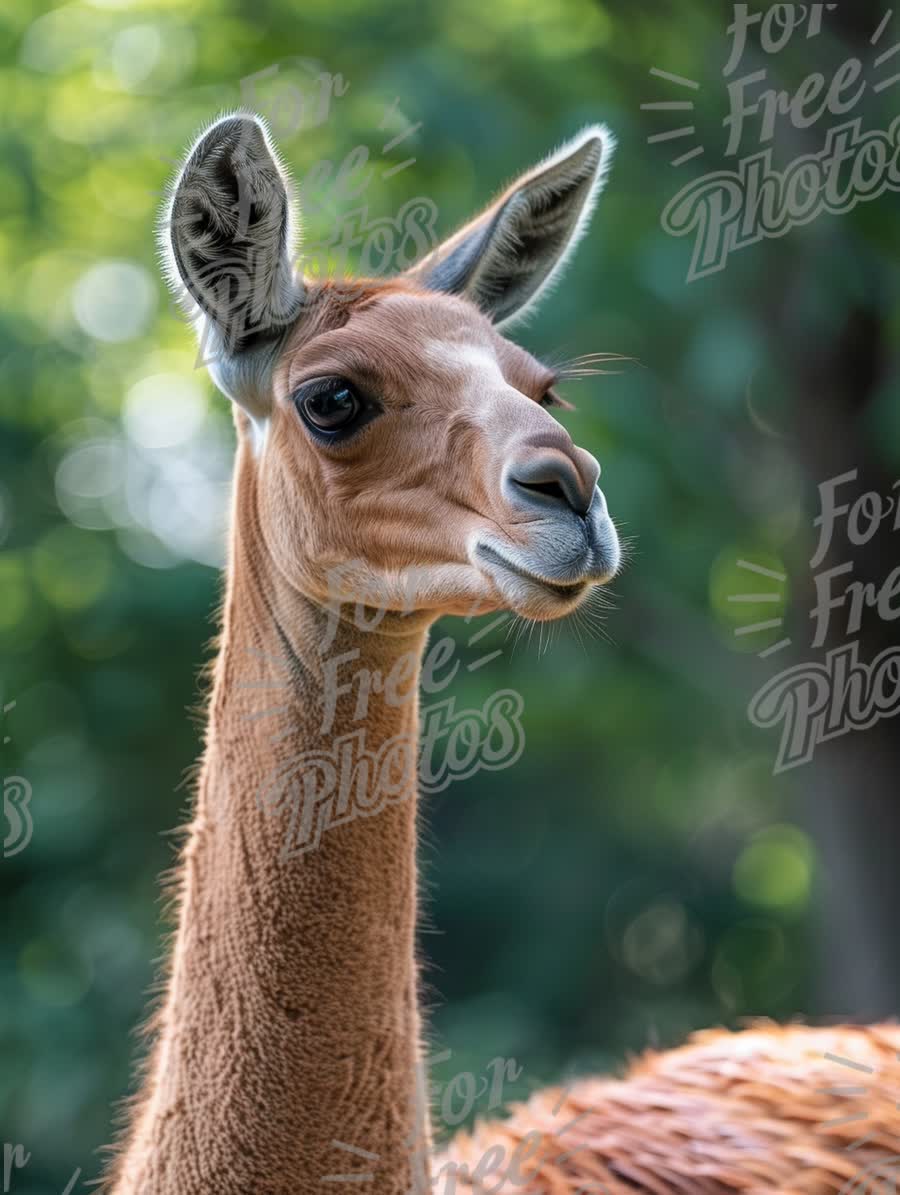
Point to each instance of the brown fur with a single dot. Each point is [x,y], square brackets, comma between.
[290,1019]
[770,1111]
[289,1028]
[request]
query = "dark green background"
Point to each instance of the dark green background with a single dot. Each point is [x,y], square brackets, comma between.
[640,872]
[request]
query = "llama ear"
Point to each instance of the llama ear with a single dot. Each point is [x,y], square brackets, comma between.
[505,257]
[228,238]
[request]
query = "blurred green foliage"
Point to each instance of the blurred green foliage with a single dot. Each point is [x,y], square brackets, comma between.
[639,873]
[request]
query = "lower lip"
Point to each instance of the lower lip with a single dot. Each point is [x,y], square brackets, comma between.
[561,591]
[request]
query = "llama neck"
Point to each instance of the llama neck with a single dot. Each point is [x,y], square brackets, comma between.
[290,1026]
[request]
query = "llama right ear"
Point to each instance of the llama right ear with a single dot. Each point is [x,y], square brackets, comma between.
[506,256]
[228,238]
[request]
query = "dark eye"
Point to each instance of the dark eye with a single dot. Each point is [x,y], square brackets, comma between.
[330,406]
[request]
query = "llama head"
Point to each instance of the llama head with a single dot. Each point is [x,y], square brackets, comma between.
[397,439]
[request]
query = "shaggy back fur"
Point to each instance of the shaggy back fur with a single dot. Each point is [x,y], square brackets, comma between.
[770,1111]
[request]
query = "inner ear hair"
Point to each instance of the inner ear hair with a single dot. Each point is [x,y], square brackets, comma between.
[228,234]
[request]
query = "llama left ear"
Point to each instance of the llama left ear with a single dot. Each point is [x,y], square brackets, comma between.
[506,256]
[227,235]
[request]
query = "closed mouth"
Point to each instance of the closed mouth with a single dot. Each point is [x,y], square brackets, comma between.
[566,591]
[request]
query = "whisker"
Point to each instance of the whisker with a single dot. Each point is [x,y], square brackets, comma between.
[594,619]
[597,608]
[578,375]
[513,625]
[598,358]
[527,632]
[521,623]
[603,634]
[593,626]
[588,365]
[582,357]
[604,608]
[588,371]
[576,627]
[604,596]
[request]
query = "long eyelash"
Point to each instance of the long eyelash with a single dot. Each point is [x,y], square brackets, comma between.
[589,365]
[573,369]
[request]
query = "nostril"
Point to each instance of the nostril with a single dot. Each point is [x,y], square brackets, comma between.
[549,480]
[550,489]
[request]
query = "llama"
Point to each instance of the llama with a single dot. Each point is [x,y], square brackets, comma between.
[389,433]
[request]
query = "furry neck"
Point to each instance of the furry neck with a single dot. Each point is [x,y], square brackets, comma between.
[288,1041]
